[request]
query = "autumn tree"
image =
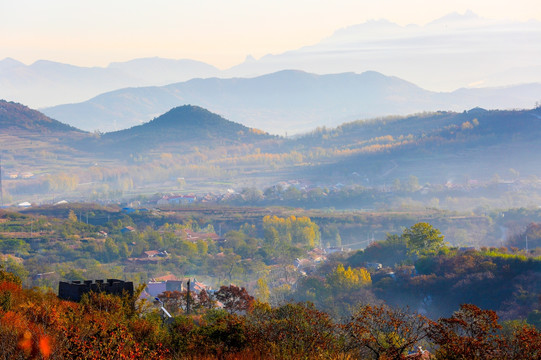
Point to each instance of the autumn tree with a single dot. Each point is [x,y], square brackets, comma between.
[525,340]
[348,279]
[205,301]
[381,332]
[291,230]
[262,290]
[72,216]
[293,331]
[174,301]
[470,334]
[234,299]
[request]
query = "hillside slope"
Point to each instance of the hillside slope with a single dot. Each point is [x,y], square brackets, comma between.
[437,148]
[179,130]
[16,117]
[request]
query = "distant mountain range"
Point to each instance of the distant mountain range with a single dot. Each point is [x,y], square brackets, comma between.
[453,52]
[286,101]
[46,83]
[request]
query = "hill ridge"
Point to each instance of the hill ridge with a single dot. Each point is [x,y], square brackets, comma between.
[20,117]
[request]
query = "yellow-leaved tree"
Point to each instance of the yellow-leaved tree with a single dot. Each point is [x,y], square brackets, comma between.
[349,279]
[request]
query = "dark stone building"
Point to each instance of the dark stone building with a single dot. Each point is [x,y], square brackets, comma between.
[76,289]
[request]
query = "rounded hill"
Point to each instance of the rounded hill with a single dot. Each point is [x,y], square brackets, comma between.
[184,125]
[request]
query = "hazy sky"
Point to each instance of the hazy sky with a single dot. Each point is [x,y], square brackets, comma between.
[219,32]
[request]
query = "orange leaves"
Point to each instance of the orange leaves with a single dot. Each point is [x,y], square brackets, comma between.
[30,347]
[471,333]
[44,345]
[40,325]
[30,340]
[25,342]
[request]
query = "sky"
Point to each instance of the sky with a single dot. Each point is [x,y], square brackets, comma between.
[219,32]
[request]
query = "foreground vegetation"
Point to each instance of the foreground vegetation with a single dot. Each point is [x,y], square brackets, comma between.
[37,325]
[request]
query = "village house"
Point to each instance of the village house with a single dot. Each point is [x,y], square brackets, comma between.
[127,229]
[156,253]
[159,285]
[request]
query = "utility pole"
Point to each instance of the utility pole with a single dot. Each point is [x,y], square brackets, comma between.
[1,189]
[188,299]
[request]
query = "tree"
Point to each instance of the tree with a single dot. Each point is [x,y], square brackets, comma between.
[173,301]
[271,236]
[383,332]
[293,331]
[391,251]
[252,194]
[524,341]
[350,279]
[235,299]
[470,334]
[204,300]
[413,183]
[72,216]
[262,290]
[111,250]
[422,239]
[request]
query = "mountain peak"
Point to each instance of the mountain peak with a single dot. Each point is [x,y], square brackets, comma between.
[196,121]
[9,63]
[249,58]
[185,114]
[184,126]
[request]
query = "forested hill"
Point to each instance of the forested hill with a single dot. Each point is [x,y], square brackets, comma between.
[15,117]
[189,123]
[181,128]
[495,124]
[434,146]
